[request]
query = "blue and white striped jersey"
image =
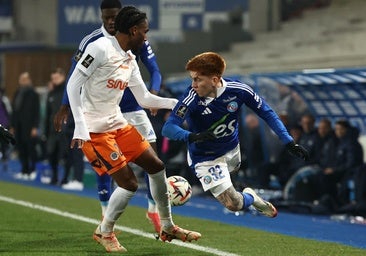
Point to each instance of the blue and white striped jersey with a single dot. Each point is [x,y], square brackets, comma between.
[221,116]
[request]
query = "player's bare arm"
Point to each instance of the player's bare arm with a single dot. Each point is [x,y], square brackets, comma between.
[61,117]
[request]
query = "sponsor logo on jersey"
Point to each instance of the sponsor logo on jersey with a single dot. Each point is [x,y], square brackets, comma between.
[117,84]
[229,99]
[78,55]
[232,106]
[206,111]
[87,61]
[114,156]
[181,111]
[207,179]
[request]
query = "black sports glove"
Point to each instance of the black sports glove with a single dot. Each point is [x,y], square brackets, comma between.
[5,136]
[297,150]
[202,136]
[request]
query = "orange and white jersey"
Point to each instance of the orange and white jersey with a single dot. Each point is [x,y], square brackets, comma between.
[108,69]
[103,72]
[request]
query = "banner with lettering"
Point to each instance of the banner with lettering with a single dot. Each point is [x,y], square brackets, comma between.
[167,18]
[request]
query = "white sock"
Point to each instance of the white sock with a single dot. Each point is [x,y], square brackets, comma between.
[103,205]
[151,206]
[116,206]
[159,192]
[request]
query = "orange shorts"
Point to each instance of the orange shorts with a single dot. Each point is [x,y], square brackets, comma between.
[108,152]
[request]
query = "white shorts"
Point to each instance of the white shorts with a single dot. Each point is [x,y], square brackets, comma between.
[141,122]
[215,175]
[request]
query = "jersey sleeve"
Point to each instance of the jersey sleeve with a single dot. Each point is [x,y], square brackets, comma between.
[77,56]
[143,97]
[172,128]
[93,57]
[65,98]
[263,110]
[148,58]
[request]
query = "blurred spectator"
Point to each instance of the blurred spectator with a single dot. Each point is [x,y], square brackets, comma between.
[252,144]
[325,144]
[308,136]
[284,167]
[24,125]
[333,179]
[57,143]
[74,160]
[296,108]
[357,194]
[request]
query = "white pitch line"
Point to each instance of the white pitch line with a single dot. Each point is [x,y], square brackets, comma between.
[123,228]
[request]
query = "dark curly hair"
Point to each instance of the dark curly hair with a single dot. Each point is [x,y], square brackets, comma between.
[128,17]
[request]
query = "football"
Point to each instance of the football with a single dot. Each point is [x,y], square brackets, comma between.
[179,190]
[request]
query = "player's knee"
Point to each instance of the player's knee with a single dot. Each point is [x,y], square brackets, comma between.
[131,186]
[156,167]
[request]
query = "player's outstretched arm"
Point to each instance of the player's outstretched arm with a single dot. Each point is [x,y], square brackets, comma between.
[148,100]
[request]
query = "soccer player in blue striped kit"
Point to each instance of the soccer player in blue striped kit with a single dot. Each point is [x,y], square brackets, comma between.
[210,107]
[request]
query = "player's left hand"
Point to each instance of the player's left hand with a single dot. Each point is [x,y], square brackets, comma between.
[5,136]
[297,150]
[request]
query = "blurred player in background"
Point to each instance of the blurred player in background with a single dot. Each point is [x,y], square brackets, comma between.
[106,68]
[134,114]
[210,106]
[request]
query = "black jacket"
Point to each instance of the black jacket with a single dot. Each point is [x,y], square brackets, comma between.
[26,111]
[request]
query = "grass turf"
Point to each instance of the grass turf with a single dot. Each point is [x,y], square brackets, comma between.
[28,231]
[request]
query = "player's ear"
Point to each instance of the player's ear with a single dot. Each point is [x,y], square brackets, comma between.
[133,30]
[215,79]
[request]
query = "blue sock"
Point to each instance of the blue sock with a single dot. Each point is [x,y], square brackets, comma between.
[248,200]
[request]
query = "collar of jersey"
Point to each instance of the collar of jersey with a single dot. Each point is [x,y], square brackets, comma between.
[220,91]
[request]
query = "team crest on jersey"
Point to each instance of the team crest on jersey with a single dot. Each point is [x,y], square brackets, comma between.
[207,179]
[78,55]
[181,111]
[114,156]
[232,106]
[87,61]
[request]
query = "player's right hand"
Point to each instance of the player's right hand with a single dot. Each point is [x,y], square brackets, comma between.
[201,136]
[61,117]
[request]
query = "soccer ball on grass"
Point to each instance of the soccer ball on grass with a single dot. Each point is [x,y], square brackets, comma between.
[179,190]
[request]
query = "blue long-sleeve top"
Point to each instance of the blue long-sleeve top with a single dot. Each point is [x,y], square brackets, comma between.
[146,55]
[219,115]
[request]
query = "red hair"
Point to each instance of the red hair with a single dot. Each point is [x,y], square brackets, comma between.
[207,64]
